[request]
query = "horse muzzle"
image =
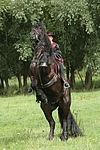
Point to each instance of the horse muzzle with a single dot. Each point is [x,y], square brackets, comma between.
[44,64]
[32,37]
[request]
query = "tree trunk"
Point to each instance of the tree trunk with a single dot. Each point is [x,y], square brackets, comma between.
[25,83]
[72,78]
[67,70]
[81,79]
[19,81]
[2,84]
[7,83]
[88,79]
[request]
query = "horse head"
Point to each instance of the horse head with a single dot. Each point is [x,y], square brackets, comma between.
[37,31]
[43,49]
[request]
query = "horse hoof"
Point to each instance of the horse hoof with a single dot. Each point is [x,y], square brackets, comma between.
[50,138]
[63,138]
[46,101]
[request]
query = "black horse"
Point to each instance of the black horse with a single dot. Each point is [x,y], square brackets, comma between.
[49,86]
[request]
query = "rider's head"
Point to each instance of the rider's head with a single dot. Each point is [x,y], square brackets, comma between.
[50,35]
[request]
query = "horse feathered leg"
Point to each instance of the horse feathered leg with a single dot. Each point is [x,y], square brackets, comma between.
[64,135]
[63,112]
[48,114]
[64,124]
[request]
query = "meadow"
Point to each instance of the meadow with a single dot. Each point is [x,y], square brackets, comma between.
[24,127]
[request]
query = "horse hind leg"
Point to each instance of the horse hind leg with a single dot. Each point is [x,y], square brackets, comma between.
[48,114]
[64,125]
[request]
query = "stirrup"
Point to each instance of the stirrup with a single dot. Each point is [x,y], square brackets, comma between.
[30,90]
[66,84]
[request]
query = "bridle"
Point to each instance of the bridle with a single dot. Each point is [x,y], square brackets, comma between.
[36,35]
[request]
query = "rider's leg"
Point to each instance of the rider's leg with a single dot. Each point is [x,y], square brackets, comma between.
[65,83]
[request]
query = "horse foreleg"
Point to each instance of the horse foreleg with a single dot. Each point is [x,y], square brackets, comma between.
[48,114]
[64,125]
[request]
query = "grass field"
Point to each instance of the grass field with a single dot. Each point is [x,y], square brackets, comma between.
[24,127]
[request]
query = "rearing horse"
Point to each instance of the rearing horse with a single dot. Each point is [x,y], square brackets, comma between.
[48,84]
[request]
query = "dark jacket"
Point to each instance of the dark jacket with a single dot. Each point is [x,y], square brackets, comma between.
[57,52]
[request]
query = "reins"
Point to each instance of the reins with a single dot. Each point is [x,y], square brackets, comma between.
[48,84]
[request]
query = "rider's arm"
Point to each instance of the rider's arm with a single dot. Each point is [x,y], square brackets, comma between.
[57,51]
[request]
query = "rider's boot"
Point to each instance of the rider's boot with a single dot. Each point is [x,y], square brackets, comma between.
[30,89]
[65,83]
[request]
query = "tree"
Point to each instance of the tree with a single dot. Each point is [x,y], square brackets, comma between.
[74,27]
[73,23]
[92,46]
[16,19]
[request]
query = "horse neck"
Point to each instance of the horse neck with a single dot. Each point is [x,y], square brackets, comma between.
[46,74]
[45,40]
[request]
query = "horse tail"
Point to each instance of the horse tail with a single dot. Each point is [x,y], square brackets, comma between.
[73,127]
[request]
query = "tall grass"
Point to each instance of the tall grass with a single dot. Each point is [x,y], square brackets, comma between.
[24,127]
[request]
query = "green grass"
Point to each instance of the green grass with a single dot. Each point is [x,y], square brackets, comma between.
[24,127]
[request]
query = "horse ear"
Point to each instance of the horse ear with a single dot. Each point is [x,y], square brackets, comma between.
[41,22]
[43,25]
[36,21]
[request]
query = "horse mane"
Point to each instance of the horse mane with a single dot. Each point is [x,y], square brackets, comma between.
[44,38]
[48,46]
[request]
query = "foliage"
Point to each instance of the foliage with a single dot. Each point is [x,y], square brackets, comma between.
[92,46]
[75,24]
[92,57]
[72,24]
[65,10]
